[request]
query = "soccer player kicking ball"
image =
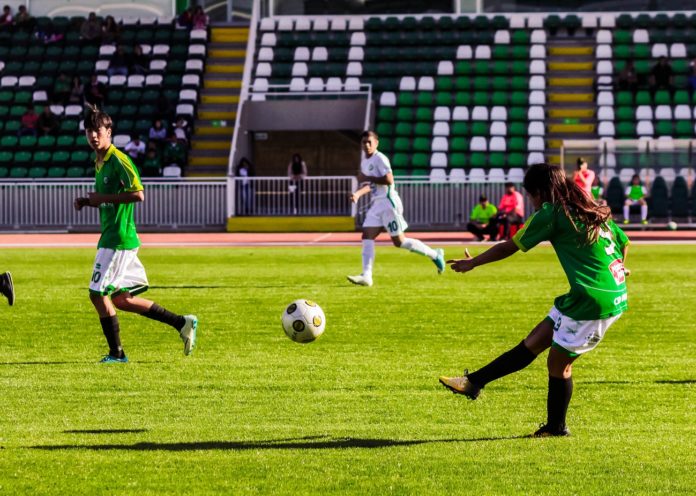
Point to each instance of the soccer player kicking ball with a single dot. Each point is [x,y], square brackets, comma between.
[7,287]
[592,250]
[118,275]
[386,211]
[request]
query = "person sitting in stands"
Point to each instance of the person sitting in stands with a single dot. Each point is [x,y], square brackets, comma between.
[48,122]
[91,29]
[6,16]
[135,149]
[30,121]
[152,165]
[482,220]
[584,177]
[661,76]
[598,192]
[635,195]
[510,209]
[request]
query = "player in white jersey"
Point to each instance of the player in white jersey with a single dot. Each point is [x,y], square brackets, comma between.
[385,213]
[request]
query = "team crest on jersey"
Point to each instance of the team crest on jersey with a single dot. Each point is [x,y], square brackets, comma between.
[106,180]
[371,167]
[617,271]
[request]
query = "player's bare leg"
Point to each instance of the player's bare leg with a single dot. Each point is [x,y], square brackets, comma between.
[368,257]
[186,325]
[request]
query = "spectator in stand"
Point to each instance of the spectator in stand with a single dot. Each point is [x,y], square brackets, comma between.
[6,16]
[157,133]
[163,107]
[584,177]
[23,20]
[181,130]
[138,62]
[199,19]
[185,19]
[135,149]
[627,78]
[29,123]
[510,209]
[482,220]
[61,89]
[152,165]
[77,91]
[661,76]
[245,170]
[692,76]
[297,171]
[110,31]
[174,152]
[91,29]
[95,92]
[118,64]
[48,122]
[598,192]
[635,195]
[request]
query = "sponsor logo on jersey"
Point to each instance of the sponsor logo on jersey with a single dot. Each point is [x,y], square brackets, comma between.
[617,271]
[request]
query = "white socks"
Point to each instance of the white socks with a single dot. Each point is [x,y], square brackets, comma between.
[417,246]
[368,257]
[643,212]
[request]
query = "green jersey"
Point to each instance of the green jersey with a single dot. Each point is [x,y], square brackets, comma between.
[597,192]
[636,192]
[483,215]
[117,174]
[595,271]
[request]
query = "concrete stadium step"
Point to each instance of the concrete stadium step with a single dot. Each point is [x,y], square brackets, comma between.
[571,97]
[229,35]
[571,128]
[207,130]
[570,81]
[224,69]
[226,53]
[215,81]
[205,98]
[570,66]
[571,113]
[209,144]
[571,50]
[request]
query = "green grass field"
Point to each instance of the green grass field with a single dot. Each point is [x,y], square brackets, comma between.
[360,411]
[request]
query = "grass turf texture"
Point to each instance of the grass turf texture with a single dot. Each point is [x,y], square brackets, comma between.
[359,411]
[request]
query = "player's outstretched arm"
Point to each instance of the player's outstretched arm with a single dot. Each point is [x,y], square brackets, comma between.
[355,196]
[494,254]
[624,252]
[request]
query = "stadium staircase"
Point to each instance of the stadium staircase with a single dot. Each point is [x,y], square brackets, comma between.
[222,83]
[570,77]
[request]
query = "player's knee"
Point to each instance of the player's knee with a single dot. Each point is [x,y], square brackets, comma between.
[397,242]
[122,302]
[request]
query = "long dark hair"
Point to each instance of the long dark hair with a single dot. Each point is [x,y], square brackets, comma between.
[550,184]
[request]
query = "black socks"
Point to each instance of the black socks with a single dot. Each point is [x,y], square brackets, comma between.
[507,363]
[113,337]
[160,314]
[560,392]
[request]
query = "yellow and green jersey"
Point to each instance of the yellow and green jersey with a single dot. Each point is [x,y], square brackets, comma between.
[636,192]
[483,215]
[595,271]
[117,174]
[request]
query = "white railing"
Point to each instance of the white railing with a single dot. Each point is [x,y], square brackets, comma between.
[280,196]
[47,204]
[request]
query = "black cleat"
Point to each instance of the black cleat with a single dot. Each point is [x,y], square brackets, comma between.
[548,431]
[7,287]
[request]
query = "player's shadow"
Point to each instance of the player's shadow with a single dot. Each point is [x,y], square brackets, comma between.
[104,431]
[194,287]
[282,444]
[41,363]
[682,381]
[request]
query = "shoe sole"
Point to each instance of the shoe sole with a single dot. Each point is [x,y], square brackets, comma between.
[11,298]
[358,283]
[456,391]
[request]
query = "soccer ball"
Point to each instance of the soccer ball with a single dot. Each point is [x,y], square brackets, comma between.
[303,321]
[672,226]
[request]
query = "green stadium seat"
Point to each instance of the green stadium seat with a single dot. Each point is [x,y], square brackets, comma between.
[624,21]
[42,158]
[420,160]
[12,127]
[517,114]
[626,129]
[517,129]
[625,113]
[684,129]
[459,128]
[478,159]
[384,129]
[643,98]
[517,144]
[421,144]
[9,142]
[520,37]
[664,128]
[662,97]
[4,171]
[79,157]
[55,172]
[19,172]
[479,128]
[37,172]
[516,160]
[458,144]
[622,37]
[423,129]
[403,129]
[73,172]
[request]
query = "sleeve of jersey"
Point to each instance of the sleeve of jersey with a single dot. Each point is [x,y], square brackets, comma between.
[129,176]
[384,166]
[538,228]
[619,236]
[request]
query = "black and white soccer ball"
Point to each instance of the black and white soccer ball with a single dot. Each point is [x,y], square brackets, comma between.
[303,321]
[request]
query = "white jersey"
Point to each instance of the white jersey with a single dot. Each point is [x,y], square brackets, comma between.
[378,165]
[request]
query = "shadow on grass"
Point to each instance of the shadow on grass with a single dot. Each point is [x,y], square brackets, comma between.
[139,362]
[193,287]
[282,444]
[682,381]
[104,431]
[41,363]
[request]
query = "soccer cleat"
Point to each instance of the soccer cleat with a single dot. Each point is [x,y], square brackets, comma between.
[360,280]
[461,385]
[188,333]
[113,359]
[7,287]
[546,431]
[644,222]
[625,221]
[440,260]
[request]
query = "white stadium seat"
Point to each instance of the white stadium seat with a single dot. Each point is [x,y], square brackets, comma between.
[604,52]
[605,98]
[605,113]
[537,52]
[537,67]
[483,52]
[497,144]
[265,54]
[426,83]
[442,114]
[445,68]
[441,129]
[644,112]
[478,144]
[536,113]
[335,84]
[645,128]
[502,37]
[300,69]
[439,144]
[320,54]
[297,84]
[438,176]
[302,54]
[477,175]
[498,128]
[496,175]
[677,51]
[663,112]
[354,69]
[267,39]
[285,24]
[387,99]
[358,39]
[537,83]
[356,53]
[641,36]
[536,128]
[464,52]
[606,128]
[536,144]
[267,24]
[499,113]
[479,113]
[462,113]
[315,84]
[538,37]
[604,37]
[438,160]
[605,67]
[682,112]
[457,176]
[407,83]
[659,50]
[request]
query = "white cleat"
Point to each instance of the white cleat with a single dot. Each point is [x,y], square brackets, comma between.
[360,280]
[188,333]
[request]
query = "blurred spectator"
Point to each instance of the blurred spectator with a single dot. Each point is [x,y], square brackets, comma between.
[510,210]
[199,19]
[118,64]
[152,165]
[297,171]
[48,122]
[95,92]
[635,195]
[181,130]
[77,91]
[23,20]
[627,78]
[172,170]
[6,16]
[482,220]
[584,177]
[138,62]
[29,122]
[110,30]
[598,191]
[163,106]
[135,148]
[692,76]
[91,29]
[158,133]
[661,76]
[61,89]
[245,170]
[174,152]
[185,19]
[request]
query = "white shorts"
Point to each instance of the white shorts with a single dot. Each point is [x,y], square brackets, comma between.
[383,214]
[117,271]
[578,336]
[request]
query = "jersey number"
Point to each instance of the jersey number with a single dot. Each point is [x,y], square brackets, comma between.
[393,226]
[612,246]
[96,276]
